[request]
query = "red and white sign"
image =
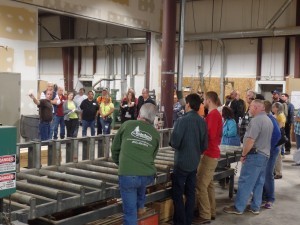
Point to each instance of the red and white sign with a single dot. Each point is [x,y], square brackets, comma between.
[7,181]
[7,163]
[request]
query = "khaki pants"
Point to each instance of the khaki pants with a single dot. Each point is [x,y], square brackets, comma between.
[278,164]
[205,190]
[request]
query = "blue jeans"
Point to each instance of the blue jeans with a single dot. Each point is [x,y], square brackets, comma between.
[105,124]
[183,183]
[44,129]
[85,125]
[52,127]
[269,187]
[59,121]
[297,140]
[252,179]
[133,193]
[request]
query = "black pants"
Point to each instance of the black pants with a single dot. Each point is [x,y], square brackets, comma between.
[72,127]
[287,130]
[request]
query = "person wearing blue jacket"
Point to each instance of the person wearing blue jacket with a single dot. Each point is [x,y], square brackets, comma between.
[269,186]
[230,134]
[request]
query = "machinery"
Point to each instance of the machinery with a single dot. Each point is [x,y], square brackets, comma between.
[8,160]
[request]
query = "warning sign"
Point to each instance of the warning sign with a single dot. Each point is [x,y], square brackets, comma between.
[7,181]
[7,163]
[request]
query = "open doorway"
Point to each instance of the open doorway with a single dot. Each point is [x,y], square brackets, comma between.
[266,87]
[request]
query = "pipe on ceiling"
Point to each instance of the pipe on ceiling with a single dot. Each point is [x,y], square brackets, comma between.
[91,42]
[278,14]
[276,32]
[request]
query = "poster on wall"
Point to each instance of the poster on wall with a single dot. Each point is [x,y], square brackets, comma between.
[295,99]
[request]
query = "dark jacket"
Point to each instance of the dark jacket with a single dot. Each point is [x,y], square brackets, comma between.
[238,108]
[45,111]
[141,102]
[189,139]
[276,135]
[89,109]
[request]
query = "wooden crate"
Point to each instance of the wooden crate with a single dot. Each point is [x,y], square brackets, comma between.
[165,209]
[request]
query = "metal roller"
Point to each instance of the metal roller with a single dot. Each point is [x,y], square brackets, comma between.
[73,178]
[90,174]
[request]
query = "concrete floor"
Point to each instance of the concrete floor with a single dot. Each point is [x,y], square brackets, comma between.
[286,210]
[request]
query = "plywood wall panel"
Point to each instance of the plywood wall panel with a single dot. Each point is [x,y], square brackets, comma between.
[213,84]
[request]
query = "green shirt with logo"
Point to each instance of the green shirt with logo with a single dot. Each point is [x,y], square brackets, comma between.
[134,148]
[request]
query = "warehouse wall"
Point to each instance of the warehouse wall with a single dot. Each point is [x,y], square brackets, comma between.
[130,13]
[202,16]
[18,31]
[50,59]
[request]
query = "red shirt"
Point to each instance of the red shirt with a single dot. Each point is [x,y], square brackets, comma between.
[60,110]
[214,127]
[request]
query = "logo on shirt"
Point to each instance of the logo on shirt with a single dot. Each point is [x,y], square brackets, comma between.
[137,133]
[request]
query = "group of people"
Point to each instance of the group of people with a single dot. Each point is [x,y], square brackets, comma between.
[59,109]
[135,146]
[202,125]
[67,112]
[196,137]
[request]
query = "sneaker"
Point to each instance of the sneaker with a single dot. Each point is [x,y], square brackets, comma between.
[268,205]
[263,203]
[232,210]
[255,212]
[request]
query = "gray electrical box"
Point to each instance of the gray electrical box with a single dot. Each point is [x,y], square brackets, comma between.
[10,100]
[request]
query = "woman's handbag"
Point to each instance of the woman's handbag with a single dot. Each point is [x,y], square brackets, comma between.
[283,138]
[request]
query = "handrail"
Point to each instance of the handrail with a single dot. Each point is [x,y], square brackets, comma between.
[88,145]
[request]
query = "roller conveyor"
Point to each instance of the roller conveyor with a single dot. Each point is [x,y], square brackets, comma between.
[43,191]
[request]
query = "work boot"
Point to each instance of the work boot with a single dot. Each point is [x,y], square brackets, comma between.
[141,212]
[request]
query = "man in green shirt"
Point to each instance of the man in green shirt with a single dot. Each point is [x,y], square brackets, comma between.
[134,149]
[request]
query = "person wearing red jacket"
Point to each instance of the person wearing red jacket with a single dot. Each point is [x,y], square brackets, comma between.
[205,190]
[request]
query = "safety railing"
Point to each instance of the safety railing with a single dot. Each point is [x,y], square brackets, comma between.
[89,147]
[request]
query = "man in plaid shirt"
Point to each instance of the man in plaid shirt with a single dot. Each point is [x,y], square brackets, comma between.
[251,95]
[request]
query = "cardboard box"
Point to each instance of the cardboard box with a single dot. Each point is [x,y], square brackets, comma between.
[165,209]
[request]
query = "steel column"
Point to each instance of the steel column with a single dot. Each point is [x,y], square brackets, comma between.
[67,32]
[259,59]
[148,60]
[286,57]
[297,43]
[168,59]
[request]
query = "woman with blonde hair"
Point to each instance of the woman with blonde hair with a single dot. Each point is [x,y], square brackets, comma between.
[71,118]
[277,109]
[105,111]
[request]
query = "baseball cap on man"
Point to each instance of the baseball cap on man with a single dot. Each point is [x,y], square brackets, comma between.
[104,89]
[275,92]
